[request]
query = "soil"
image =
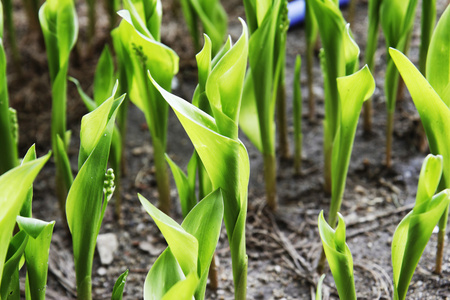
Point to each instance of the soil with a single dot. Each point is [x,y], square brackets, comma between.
[283,247]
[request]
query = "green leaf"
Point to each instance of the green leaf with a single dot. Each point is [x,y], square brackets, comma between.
[15,185]
[8,147]
[191,248]
[263,67]
[396,17]
[147,16]
[36,254]
[225,83]
[434,113]
[26,210]
[104,78]
[11,265]
[184,289]
[430,176]
[353,91]
[88,102]
[186,191]
[119,286]
[164,274]
[319,287]
[438,59]
[339,256]
[249,113]
[60,28]
[143,53]
[204,223]
[411,237]
[204,62]
[183,245]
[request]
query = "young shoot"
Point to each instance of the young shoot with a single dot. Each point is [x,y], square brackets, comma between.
[268,25]
[14,187]
[223,155]
[141,51]
[91,190]
[339,57]
[60,28]
[432,100]
[409,240]
[8,145]
[181,271]
[397,20]
[297,115]
[104,85]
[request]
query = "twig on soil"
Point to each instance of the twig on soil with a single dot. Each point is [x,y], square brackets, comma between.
[382,215]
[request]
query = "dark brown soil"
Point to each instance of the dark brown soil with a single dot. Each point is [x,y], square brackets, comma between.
[283,247]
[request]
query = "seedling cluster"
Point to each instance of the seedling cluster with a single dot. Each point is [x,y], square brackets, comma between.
[241,86]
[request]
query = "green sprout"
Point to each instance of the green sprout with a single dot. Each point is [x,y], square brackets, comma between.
[32,243]
[297,116]
[409,240]
[36,255]
[181,271]
[432,100]
[141,51]
[268,25]
[8,146]
[211,15]
[414,231]
[103,87]
[427,22]
[91,190]
[223,155]
[353,91]
[119,286]
[312,32]
[14,186]
[339,57]
[397,20]
[339,256]
[60,28]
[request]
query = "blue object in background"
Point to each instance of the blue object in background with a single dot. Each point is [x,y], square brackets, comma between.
[296,11]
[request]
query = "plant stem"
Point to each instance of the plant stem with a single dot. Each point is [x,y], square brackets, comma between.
[162,176]
[297,116]
[426,30]
[32,10]
[389,133]
[84,287]
[321,264]
[8,15]
[270,180]
[327,167]
[441,242]
[281,118]
[309,67]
